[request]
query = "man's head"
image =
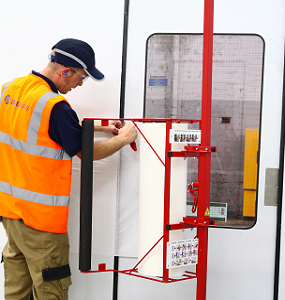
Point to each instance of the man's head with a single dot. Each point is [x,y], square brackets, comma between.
[71,61]
[77,54]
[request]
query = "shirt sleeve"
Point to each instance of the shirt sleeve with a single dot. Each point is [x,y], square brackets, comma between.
[64,128]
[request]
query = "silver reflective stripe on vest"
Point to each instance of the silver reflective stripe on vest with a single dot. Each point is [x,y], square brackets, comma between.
[34,129]
[37,116]
[33,149]
[33,196]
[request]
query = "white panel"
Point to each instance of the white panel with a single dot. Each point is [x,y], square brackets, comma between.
[151,196]
[127,230]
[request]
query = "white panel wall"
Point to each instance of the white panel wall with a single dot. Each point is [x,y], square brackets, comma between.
[240,266]
[28,30]
[242,251]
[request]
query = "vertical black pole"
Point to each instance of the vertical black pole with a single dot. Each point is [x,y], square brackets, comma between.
[280,194]
[86,193]
[122,114]
[115,278]
[124,59]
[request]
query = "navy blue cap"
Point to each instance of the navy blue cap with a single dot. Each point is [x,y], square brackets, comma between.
[78,54]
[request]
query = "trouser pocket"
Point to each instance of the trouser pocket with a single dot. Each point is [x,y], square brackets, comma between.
[56,281]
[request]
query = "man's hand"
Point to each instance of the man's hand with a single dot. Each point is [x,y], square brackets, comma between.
[128,133]
[113,127]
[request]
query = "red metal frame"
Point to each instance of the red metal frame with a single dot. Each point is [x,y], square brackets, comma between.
[199,222]
[205,158]
[203,152]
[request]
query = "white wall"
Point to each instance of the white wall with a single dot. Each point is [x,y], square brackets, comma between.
[28,30]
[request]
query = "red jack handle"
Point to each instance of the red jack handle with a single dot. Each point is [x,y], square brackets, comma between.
[134,146]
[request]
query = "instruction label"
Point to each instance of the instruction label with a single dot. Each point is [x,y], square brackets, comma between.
[182,253]
[192,137]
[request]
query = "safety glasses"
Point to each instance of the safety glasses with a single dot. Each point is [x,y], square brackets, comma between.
[80,76]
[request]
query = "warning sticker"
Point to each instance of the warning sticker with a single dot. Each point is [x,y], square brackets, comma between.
[207,212]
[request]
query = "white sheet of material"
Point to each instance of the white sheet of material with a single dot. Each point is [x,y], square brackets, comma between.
[151,207]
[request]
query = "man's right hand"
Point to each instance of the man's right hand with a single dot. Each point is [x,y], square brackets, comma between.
[128,133]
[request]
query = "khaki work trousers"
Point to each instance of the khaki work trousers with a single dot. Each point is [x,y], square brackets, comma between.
[26,254]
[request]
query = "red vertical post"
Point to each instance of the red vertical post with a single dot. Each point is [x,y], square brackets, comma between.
[166,217]
[205,158]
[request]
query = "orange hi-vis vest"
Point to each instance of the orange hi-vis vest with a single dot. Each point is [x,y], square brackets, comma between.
[35,171]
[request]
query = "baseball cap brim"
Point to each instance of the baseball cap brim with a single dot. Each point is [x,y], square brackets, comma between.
[95,74]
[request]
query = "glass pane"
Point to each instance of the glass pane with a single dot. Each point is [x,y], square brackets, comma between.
[174,89]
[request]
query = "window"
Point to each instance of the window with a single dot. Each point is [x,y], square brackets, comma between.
[173,89]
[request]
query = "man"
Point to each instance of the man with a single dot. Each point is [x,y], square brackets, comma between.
[39,134]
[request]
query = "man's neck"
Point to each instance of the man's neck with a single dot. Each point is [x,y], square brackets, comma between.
[49,72]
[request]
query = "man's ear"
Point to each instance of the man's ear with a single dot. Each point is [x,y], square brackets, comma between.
[65,73]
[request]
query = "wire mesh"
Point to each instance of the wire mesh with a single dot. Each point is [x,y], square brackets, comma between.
[174,90]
